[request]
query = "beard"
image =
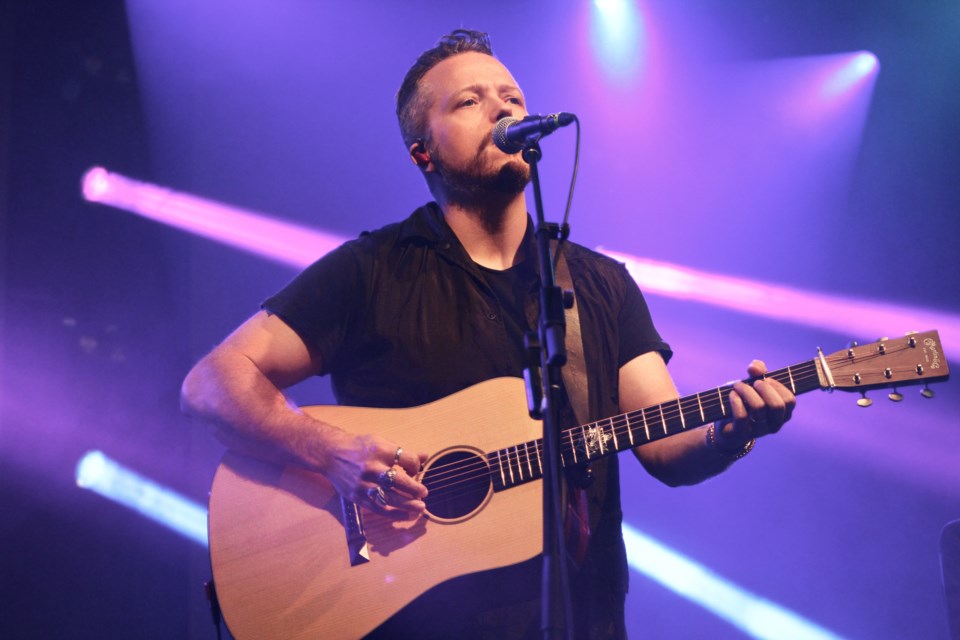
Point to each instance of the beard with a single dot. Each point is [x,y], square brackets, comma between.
[477,183]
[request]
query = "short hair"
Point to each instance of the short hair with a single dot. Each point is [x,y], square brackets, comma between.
[411,104]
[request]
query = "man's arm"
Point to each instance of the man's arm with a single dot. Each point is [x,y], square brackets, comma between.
[688,458]
[237,389]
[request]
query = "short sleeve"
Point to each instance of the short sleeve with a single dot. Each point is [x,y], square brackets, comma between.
[638,335]
[321,303]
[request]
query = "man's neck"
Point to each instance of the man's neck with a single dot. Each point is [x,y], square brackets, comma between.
[491,234]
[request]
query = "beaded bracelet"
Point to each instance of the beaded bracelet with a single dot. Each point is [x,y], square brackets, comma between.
[713,443]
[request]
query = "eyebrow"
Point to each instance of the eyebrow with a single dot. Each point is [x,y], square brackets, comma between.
[479,88]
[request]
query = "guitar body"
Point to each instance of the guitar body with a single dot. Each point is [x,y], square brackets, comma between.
[278,545]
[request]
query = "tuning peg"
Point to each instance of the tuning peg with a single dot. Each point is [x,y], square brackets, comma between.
[927,392]
[895,395]
[850,346]
[864,401]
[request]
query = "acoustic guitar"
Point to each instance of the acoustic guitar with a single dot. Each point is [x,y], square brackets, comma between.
[291,559]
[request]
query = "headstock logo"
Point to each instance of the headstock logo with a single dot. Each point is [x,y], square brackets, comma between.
[933,353]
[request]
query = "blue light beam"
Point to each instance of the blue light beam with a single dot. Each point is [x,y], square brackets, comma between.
[98,473]
[754,615]
[849,74]
[618,36]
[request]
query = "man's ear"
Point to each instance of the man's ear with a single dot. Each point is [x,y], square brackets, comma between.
[420,155]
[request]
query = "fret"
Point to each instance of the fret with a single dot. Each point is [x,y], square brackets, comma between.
[592,439]
[516,453]
[573,446]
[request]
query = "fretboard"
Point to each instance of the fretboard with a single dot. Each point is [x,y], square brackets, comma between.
[582,444]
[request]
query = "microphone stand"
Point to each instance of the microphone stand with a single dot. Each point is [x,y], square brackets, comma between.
[555,588]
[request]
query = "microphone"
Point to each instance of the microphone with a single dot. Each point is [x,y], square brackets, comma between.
[512,135]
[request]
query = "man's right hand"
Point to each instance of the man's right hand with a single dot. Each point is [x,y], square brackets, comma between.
[377,474]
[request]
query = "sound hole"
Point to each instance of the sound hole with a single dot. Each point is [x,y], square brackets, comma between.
[458,482]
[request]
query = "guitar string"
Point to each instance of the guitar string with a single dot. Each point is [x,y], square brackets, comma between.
[526,466]
[801,371]
[620,425]
[521,461]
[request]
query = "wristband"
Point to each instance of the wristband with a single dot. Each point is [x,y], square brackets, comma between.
[713,442]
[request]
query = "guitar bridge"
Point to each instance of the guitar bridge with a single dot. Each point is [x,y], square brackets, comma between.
[356,537]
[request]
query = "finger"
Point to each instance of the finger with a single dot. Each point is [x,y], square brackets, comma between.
[757,420]
[411,506]
[404,484]
[772,416]
[397,479]
[409,461]
[757,369]
[777,395]
[753,403]
[739,430]
[738,409]
[391,505]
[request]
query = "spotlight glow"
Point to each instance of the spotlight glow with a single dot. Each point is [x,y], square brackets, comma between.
[848,74]
[756,616]
[96,183]
[618,37]
[98,473]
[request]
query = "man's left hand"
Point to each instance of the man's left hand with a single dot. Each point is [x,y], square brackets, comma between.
[758,409]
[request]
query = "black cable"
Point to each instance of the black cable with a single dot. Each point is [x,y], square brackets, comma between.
[565,226]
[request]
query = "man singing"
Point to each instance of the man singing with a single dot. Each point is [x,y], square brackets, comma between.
[431,305]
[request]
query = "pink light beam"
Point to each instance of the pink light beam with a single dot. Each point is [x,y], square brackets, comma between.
[257,233]
[839,314]
[299,246]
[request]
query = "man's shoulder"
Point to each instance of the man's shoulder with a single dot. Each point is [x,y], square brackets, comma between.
[422,224]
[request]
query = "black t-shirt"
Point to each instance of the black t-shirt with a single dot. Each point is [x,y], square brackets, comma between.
[402,316]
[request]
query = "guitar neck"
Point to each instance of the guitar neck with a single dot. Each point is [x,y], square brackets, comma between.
[917,358]
[582,444]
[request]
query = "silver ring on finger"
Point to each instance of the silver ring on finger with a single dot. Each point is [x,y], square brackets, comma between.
[387,478]
[396,457]
[377,495]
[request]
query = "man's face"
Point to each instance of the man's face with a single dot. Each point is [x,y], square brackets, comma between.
[469,93]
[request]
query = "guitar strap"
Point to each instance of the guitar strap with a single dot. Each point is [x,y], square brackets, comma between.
[574,373]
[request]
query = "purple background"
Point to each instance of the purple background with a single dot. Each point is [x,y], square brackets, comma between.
[708,148]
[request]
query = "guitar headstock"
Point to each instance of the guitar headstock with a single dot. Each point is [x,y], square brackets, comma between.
[916,358]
